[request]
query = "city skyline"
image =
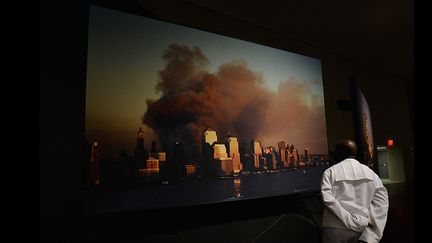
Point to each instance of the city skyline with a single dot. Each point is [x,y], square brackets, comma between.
[220,157]
[150,144]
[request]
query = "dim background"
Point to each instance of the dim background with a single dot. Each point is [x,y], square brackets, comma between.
[371,40]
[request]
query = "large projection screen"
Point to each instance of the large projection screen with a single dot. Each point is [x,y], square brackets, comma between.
[177,116]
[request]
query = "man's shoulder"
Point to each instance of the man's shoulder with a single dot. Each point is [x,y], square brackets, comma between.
[351,169]
[369,170]
[329,169]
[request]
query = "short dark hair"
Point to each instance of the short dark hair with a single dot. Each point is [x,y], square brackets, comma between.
[345,149]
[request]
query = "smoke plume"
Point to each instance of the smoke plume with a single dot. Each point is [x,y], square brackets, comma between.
[233,99]
[193,99]
[297,117]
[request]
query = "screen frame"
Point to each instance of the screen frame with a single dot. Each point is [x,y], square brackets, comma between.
[172,219]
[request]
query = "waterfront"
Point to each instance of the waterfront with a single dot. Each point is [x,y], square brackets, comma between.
[203,191]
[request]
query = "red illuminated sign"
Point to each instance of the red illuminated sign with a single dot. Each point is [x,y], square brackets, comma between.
[390,143]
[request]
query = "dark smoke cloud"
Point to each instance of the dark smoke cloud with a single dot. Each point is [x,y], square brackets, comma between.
[193,99]
[232,99]
[183,65]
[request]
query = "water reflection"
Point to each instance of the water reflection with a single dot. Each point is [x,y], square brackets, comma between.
[237,188]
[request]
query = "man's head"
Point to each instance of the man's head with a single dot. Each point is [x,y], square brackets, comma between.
[345,149]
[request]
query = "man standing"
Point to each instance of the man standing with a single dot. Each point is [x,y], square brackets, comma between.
[355,200]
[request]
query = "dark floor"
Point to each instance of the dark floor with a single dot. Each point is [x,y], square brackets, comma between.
[400,221]
[293,227]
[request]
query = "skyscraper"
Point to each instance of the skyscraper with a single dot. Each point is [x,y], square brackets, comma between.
[244,150]
[123,169]
[153,147]
[178,166]
[232,147]
[207,155]
[291,148]
[282,158]
[223,164]
[141,154]
[256,153]
[274,154]
[210,136]
[295,156]
[290,158]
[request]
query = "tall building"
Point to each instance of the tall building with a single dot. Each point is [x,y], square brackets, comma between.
[273,164]
[282,156]
[290,158]
[296,158]
[256,153]
[178,166]
[153,147]
[267,157]
[224,164]
[210,136]
[270,156]
[232,147]
[306,155]
[123,169]
[244,150]
[141,154]
[207,152]
[95,164]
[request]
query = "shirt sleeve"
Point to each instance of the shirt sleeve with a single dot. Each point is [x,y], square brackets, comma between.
[350,220]
[377,214]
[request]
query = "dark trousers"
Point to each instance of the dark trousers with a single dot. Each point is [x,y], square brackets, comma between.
[333,235]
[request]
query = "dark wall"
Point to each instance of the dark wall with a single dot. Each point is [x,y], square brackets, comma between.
[62,53]
[63,31]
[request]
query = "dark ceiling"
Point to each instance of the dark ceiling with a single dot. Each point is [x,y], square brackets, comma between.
[378,34]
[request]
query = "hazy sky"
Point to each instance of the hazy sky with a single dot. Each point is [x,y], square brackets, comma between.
[125,55]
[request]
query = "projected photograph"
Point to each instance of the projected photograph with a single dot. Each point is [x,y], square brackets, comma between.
[176,116]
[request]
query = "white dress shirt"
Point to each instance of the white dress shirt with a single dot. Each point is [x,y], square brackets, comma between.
[354,199]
